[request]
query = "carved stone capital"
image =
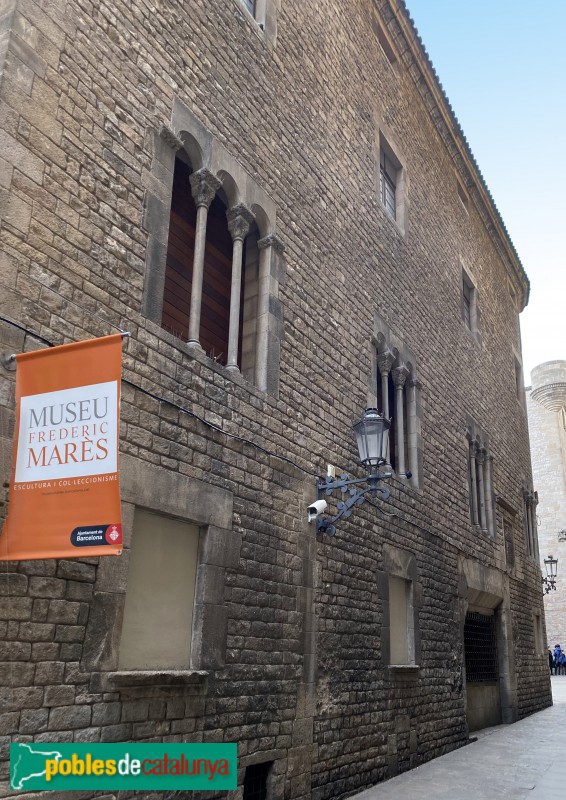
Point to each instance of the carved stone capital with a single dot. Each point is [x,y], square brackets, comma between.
[204,186]
[272,240]
[385,362]
[400,374]
[239,220]
[480,455]
[170,137]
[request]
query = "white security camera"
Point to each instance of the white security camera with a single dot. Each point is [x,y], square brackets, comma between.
[316,508]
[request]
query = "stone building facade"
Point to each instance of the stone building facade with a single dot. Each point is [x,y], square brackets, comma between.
[546,408]
[277,202]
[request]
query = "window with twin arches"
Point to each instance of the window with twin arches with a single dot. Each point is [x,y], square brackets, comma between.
[480,480]
[396,395]
[214,260]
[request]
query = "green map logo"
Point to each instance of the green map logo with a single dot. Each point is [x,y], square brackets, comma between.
[28,762]
[123,765]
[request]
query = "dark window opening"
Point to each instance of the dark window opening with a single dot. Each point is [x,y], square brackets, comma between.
[462,195]
[217,273]
[255,781]
[467,294]
[509,543]
[216,285]
[250,5]
[180,254]
[480,646]
[383,41]
[518,379]
[387,183]
[381,409]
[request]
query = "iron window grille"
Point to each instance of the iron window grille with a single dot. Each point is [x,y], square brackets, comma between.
[255,781]
[480,645]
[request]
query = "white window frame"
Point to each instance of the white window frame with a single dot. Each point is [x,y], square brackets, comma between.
[401,622]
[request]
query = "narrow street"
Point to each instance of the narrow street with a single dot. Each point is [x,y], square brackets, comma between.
[524,760]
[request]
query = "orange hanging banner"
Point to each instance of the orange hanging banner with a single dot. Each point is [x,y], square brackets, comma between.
[64,491]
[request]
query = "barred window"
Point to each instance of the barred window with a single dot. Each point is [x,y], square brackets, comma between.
[480,646]
[256,781]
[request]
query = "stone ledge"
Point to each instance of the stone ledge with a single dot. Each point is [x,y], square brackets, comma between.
[151,683]
[404,667]
[161,677]
[404,672]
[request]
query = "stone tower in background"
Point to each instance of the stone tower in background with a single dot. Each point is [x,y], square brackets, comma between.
[546,407]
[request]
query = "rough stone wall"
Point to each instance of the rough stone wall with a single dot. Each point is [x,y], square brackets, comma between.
[545,398]
[85,89]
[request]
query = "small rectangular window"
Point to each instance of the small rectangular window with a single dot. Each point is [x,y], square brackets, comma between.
[401,627]
[256,781]
[469,303]
[386,45]
[519,380]
[537,631]
[158,613]
[530,501]
[387,184]
[393,183]
[250,5]
[463,196]
[467,294]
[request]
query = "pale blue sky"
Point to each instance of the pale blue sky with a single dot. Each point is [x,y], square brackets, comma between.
[502,64]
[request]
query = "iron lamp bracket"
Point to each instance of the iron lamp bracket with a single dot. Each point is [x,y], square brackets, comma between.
[357,491]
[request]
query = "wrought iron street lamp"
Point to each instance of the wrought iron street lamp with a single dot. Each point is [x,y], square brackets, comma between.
[372,433]
[551,567]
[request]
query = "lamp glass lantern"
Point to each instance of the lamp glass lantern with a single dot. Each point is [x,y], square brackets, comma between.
[551,564]
[372,435]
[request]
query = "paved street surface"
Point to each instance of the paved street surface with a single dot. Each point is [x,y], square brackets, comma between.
[524,760]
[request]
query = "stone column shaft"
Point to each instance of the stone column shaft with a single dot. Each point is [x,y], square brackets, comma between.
[384,364]
[529,526]
[480,463]
[266,247]
[399,377]
[412,429]
[474,485]
[488,487]
[204,186]
[239,221]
